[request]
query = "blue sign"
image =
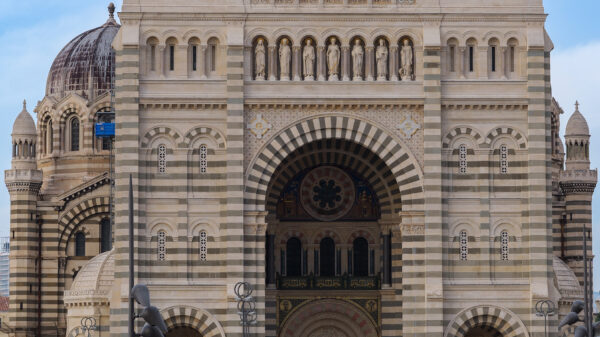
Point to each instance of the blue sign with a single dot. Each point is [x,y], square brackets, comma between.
[105,129]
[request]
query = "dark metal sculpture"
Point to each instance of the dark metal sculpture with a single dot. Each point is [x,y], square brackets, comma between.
[246,306]
[88,324]
[545,308]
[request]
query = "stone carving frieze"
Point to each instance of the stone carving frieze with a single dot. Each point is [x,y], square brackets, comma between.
[263,123]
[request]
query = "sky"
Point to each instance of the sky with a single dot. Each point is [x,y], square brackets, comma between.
[32,32]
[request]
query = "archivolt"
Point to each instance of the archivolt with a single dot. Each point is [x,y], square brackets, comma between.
[347,155]
[70,220]
[486,316]
[403,166]
[198,319]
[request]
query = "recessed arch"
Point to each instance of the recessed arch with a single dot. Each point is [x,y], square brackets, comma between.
[198,319]
[77,214]
[506,131]
[499,318]
[461,131]
[197,132]
[393,152]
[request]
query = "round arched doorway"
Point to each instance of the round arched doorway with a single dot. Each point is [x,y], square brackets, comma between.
[481,331]
[329,318]
[183,331]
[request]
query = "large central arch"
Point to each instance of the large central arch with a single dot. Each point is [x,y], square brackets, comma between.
[392,151]
[329,317]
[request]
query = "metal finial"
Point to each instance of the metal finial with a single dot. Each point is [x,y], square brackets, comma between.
[111,10]
[576,105]
[24,105]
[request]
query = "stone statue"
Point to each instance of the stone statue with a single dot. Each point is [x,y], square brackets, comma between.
[333,59]
[381,56]
[406,56]
[285,54]
[308,60]
[259,60]
[357,60]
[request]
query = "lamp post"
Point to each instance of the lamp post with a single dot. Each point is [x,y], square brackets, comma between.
[246,306]
[88,324]
[545,308]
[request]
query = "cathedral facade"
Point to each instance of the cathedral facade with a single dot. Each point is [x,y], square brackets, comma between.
[371,167]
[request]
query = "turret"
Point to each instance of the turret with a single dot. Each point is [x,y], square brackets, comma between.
[577,182]
[23,181]
[577,137]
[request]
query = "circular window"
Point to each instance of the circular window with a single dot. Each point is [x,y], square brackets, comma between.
[327,193]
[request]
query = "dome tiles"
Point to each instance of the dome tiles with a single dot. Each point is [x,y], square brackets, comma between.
[565,279]
[577,125]
[94,281]
[24,124]
[86,64]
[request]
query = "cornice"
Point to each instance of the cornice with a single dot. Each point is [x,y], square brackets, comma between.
[183,106]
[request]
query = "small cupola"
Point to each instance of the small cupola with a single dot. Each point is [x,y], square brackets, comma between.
[24,138]
[577,139]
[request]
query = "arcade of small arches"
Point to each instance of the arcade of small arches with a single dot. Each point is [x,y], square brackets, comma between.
[71,133]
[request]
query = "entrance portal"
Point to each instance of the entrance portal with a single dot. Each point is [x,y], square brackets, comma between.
[483,332]
[183,331]
[329,318]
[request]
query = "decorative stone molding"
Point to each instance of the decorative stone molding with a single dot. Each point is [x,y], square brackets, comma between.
[183,106]
[259,126]
[413,229]
[578,181]
[408,127]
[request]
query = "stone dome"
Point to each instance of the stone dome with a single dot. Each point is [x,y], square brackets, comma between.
[565,280]
[86,64]
[94,281]
[24,124]
[577,125]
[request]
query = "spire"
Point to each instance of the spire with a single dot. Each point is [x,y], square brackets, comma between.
[577,106]
[24,105]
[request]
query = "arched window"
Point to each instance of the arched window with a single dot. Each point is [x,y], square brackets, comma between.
[171,43]
[75,134]
[162,245]
[211,58]
[80,244]
[361,257]
[49,138]
[203,242]
[327,263]
[462,159]
[504,245]
[452,50]
[193,45]
[162,158]
[293,249]
[512,55]
[105,235]
[471,54]
[203,158]
[503,159]
[464,245]
[493,55]
[152,50]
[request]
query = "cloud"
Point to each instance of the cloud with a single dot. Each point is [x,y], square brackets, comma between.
[576,76]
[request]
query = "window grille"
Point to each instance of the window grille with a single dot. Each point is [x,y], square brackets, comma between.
[462,159]
[203,240]
[504,245]
[162,158]
[162,246]
[203,158]
[464,248]
[503,159]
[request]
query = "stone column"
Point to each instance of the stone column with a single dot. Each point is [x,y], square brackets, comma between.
[481,65]
[272,59]
[201,62]
[369,64]
[321,68]
[345,63]
[502,63]
[462,58]
[248,64]
[296,59]
[394,63]
[181,53]
[161,60]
